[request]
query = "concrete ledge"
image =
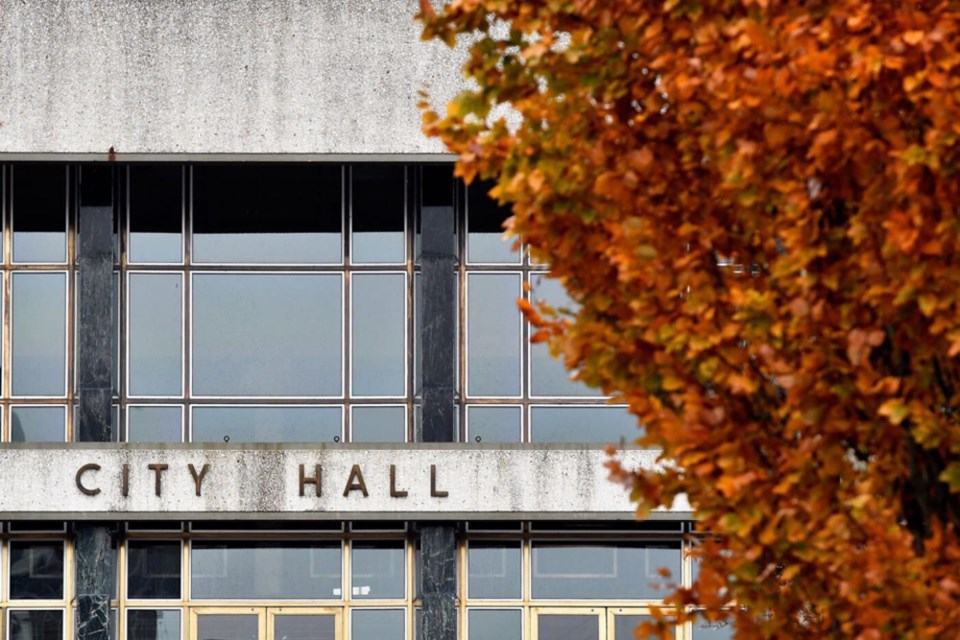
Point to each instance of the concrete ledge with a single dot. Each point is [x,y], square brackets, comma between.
[316,482]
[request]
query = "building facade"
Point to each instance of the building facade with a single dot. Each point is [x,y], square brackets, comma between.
[263,373]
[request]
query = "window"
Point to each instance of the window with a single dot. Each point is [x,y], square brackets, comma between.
[267,303]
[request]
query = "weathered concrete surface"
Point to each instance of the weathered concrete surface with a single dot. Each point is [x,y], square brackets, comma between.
[256,481]
[216,77]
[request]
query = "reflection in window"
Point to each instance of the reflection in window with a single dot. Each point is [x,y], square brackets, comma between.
[267,214]
[377,624]
[616,571]
[288,626]
[153,624]
[153,570]
[156,214]
[548,376]
[154,424]
[378,424]
[485,217]
[40,213]
[625,626]
[266,424]
[36,570]
[495,624]
[493,334]
[155,341]
[493,424]
[378,570]
[706,630]
[265,570]
[39,334]
[232,626]
[37,424]
[377,214]
[378,331]
[568,627]
[493,570]
[260,334]
[39,624]
[582,424]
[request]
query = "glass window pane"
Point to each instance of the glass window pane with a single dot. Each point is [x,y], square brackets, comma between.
[583,424]
[266,424]
[115,322]
[378,424]
[485,243]
[609,571]
[378,330]
[156,213]
[493,334]
[378,214]
[378,570]
[568,627]
[494,624]
[156,334]
[40,213]
[625,627]
[154,424]
[267,214]
[706,630]
[36,570]
[153,624]
[267,334]
[153,570]
[377,624]
[304,627]
[39,334]
[548,376]
[265,570]
[493,570]
[228,626]
[38,424]
[40,624]
[493,424]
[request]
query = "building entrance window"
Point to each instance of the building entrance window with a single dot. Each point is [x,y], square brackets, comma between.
[594,623]
[265,623]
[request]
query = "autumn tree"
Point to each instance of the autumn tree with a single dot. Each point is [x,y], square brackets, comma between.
[756,204]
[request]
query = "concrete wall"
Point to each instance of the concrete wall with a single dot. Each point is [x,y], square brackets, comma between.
[155,77]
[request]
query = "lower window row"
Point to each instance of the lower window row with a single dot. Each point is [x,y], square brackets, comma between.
[304,623]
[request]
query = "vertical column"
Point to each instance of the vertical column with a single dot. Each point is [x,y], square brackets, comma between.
[436,333]
[94,366]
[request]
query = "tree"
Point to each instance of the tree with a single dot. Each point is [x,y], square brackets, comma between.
[756,204]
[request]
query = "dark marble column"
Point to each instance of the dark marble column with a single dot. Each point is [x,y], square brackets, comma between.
[436,339]
[94,554]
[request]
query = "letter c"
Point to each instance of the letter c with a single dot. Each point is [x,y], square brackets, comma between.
[82,470]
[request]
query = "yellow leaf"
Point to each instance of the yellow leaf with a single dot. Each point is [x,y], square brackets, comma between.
[894,410]
[913,37]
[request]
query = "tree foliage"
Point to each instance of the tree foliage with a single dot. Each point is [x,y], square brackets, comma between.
[757,205]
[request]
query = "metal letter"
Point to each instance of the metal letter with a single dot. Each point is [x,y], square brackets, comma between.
[125,481]
[316,480]
[433,484]
[82,470]
[393,484]
[198,477]
[355,482]
[157,469]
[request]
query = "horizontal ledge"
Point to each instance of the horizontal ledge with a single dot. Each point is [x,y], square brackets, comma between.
[319,446]
[174,156]
[326,516]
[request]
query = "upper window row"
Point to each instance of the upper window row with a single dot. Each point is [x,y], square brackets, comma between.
[276,214]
